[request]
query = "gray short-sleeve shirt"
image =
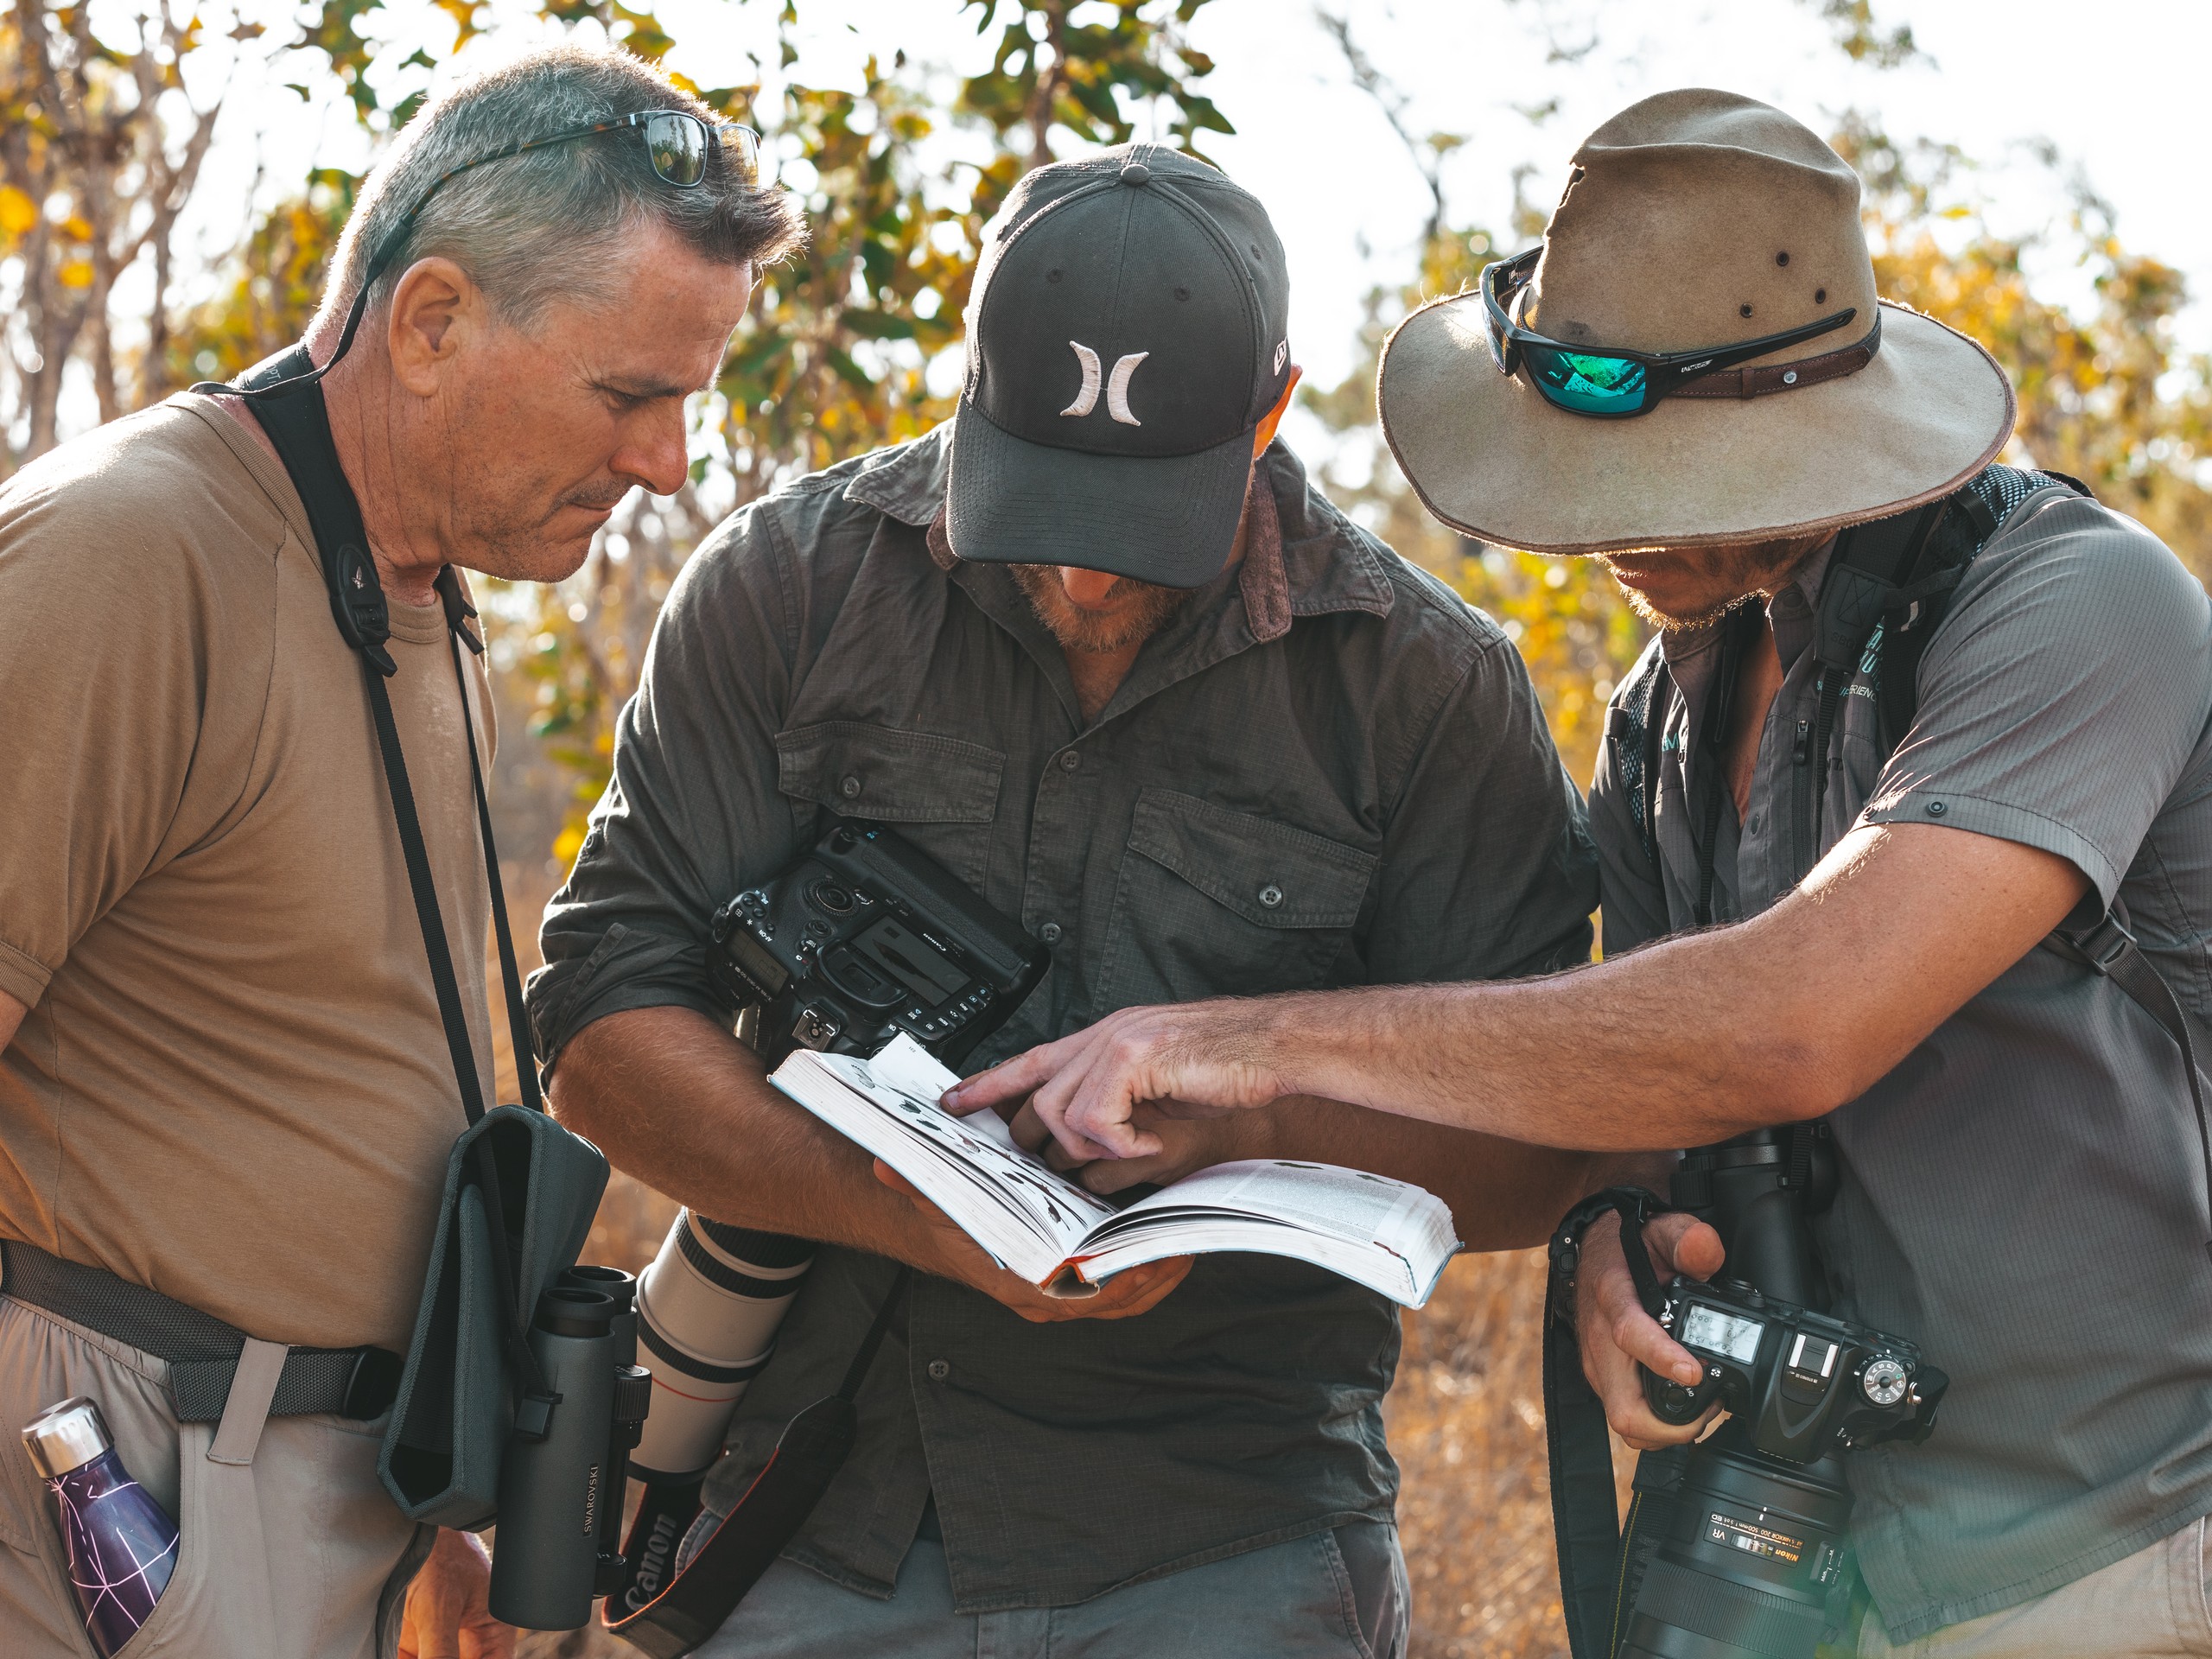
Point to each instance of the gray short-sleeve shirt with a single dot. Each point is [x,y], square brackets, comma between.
[2023,1195]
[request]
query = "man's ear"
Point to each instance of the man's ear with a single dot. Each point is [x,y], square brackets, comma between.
[1264,434]
[435,308]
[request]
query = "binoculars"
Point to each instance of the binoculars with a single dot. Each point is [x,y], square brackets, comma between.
[560,1493]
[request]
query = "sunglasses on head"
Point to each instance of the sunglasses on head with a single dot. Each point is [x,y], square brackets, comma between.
[678,144]
[1614,383]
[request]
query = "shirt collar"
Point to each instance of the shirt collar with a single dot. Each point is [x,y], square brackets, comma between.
[1313,564]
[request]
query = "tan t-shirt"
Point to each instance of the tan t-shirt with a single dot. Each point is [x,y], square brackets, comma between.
[232,1084]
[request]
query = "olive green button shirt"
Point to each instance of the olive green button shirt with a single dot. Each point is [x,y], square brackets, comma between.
[1325,770]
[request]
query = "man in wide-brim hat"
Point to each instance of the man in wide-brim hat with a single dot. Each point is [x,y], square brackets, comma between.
[1932,732]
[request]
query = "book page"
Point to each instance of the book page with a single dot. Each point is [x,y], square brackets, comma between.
[1388,1235]
[900,1086]
[1350,1204]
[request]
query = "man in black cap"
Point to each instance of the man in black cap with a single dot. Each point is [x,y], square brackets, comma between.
[1098,648]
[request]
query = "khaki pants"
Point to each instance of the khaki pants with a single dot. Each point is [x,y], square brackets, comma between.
[299,1554]
[2147,1606]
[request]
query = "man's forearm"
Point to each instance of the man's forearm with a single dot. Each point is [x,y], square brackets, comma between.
[1503,1195]
[678,1102]
[1778,1018]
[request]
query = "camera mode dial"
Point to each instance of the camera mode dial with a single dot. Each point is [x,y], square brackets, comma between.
[1883,1381]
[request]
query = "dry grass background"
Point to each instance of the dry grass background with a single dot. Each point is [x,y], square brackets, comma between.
[1465,1420]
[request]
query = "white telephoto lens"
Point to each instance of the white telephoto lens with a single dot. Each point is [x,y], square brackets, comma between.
[707,1320]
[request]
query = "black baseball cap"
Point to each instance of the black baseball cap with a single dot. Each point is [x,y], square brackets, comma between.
[1128,332]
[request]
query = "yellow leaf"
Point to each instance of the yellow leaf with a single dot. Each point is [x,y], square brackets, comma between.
[18,213]
[78,273]
[566,844]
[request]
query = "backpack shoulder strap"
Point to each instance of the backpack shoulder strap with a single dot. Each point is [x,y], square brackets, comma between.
[1981,508]
[1634,734]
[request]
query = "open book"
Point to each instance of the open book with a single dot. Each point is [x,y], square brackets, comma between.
[1385,1234]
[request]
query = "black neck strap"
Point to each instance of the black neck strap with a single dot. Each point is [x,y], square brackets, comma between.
[298,424]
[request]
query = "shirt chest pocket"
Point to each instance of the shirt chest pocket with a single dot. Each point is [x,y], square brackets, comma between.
[1214,903]
[940,793]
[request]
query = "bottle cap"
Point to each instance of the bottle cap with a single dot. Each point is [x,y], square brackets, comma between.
[66,1436]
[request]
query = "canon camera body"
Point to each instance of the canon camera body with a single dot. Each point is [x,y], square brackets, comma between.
[864,938]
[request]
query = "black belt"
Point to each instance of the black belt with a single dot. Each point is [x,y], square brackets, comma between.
[201,1350]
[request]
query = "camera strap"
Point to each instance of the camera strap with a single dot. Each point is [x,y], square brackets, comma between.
[1597,1574]
[297,422]
[2101,941]
[745,1543]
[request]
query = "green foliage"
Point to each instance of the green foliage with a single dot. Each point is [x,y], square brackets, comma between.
[1049,71]
[276,286]
[1862,40]
[100,147]
[2107,394]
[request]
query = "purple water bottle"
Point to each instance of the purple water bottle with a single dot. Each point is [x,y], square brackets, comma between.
[121,1545]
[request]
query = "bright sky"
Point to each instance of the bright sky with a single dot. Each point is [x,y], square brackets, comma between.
[2116,88]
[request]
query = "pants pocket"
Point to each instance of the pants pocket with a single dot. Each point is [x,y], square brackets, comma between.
[1377,1597]
[218,1599]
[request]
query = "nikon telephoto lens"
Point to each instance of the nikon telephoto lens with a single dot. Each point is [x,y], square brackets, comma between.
[1753,1543]
[1745,1568]
[552,1492]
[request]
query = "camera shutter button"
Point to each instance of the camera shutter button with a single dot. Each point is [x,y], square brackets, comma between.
[850,786]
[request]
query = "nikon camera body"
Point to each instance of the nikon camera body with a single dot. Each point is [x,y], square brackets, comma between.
[1748,1563]
[862,938]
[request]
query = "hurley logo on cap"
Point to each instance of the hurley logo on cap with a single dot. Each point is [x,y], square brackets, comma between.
[1125,341]
[1117,389]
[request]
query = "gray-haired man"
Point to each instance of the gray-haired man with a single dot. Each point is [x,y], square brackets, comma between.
[225,1079]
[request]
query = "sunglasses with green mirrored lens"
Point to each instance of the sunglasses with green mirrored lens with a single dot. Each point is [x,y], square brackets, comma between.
[1614,383]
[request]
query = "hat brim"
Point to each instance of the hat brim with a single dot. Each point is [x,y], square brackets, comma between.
[1490,457]
[1171,520]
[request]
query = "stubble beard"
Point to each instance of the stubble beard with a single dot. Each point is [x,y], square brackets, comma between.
[500,541]
[1739,575]
[1077,629]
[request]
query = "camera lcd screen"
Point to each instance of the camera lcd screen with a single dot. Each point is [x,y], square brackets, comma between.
[919,967]
[1722,1333]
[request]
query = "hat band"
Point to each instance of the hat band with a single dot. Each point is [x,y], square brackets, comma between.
[1788,377]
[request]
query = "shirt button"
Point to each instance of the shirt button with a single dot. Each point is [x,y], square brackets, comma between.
[939,1370]
[1070,760]
[1050,932]
[1271,896]
[1752,825]
[850,787]
[1934,808]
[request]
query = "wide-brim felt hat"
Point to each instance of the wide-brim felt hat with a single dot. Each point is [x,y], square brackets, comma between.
[1693,220]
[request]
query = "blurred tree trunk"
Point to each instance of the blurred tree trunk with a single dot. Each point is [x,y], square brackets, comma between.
[100,147]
